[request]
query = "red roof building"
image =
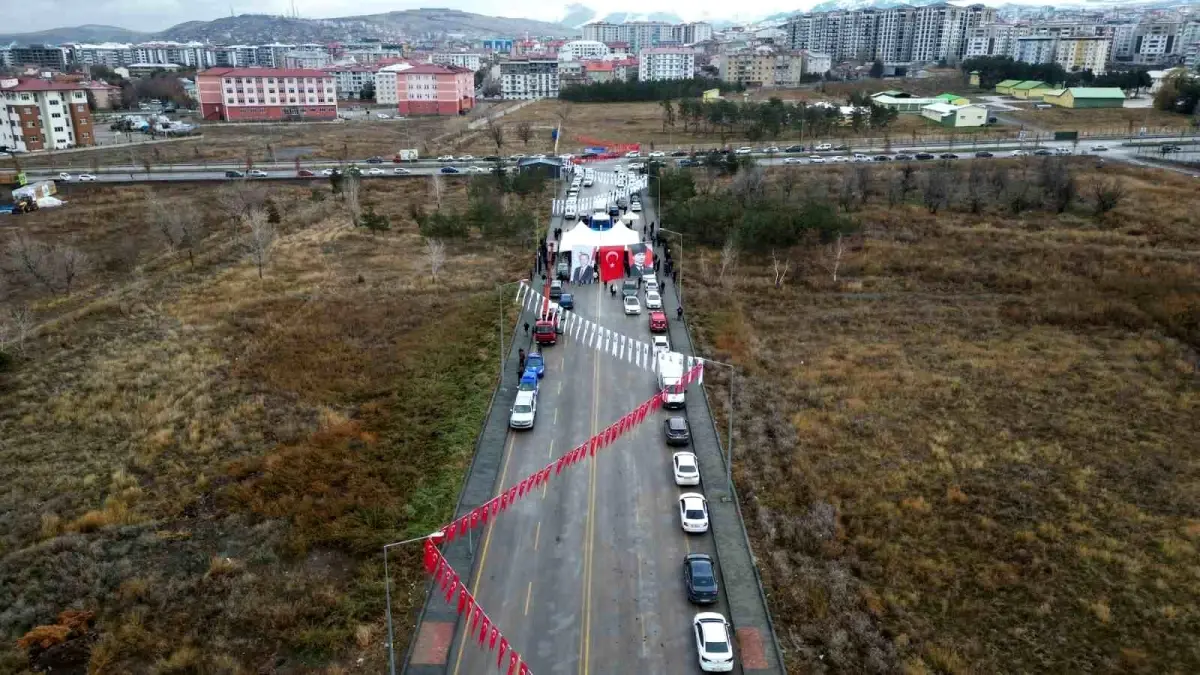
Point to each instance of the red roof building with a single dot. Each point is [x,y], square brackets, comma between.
[266,94]
[426,89]
[41,114]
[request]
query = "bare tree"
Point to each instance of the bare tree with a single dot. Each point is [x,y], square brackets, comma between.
[16,328]
[436,250]
[779,271]
[1108,195]
[495,131]
[908,181]
[352,196]
[563,113]
[71,264]
[435,186]
[846,192]
[863,177]
[729,254]
[937,190]
[1058,184]
[525,132]
[749,184]
[974,188]
[239,198]
[833,256]
[262,238]
[56,268]
[788,180]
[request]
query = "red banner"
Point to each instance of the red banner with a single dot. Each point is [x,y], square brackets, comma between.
[611,260]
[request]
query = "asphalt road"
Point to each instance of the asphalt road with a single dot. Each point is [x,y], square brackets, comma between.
[586,578]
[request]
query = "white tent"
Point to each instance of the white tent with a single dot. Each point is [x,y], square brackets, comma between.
[582,236]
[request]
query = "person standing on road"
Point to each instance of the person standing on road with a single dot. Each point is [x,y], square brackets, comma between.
[527,328]
[679,312]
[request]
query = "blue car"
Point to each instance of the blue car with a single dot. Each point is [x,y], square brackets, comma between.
[529,382]
[535,363]
[450,169]
[567,301]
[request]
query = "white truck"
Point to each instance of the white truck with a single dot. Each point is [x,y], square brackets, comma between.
[670,372]
[406,155]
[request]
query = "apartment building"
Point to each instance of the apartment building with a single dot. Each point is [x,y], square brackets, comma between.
[42,56]
[994,39]
[766,66]
[529,77]
[598,71]
[644,34]
[6,57]
[44,115]
[387,83]
[471,62]
[266,94]
[306,60]
[1076,54]
[897,36]
[583,50]
[625,69]
[1122,47]
[571,74]
[666,63]
[1154,42]
[350,78]
[1035,49]
[426,88]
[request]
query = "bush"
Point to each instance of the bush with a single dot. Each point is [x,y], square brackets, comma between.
[6,361]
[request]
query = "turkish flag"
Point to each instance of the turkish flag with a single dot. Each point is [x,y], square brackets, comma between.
[492,640]
[558,466]
[431,556]
[476,615]
[452,588]
[503,648]
[470,608]
[513,657]
[611,260]
[484,626]
[464,524]
[524,669]
[463,598]
[476,517]
[450,532]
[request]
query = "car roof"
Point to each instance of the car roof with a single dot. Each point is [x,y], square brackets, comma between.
[659,338]
[689,456]
[691,498]
[677,422]
[656,315]
[630,297]
[524,397]
[712,627]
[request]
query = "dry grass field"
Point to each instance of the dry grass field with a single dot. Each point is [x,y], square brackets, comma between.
[209,462]
[1105,120]
[977,451]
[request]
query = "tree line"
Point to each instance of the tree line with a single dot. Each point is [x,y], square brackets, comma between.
[758,121]
[631,91]
[996,69]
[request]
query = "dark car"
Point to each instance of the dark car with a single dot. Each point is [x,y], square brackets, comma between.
[589,155]
[700,578]
[305,173]
[984,154]
[566,301]
[794,148]
[841,147]
[450,169]
[948,155]
[556,289]
[375,160]
[562,271]
[492,158]
[1043,152]
[882,158]
[924,155]
[234,174]
[677,431]
[629,287]
[903,157]
[687,162]
[679,153]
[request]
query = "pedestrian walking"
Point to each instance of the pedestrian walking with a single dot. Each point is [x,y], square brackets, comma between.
[675,278]
[520,362]
[526,328]
[679,312]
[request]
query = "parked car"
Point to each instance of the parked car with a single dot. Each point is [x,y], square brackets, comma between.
[714,646]
[882,158]
[660,343]
[632,305]
[794,148]
[677,431]
[903,157]
[1099,148]
[523,411]
[556,289]
[744,150]
[923,156]
[636,206]
[566,301]
[1019,153]
[446,158]
[679,153]
[491,158]
[467,158]
[816,159]
[65,176]
[305,173]
[1043,152]
[450,169]
[693,513]
[658,322]
[841,147]
[699,574]
[536,363]
[948,155]
[632,154]
[793,160]
[771,149]
[328,172]
[375,172]
[653,300]
[477,169]
[516,157]
[256,173]
[656,154]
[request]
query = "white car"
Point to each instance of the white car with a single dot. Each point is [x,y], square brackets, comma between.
[816,159]
[64,176]
[693,512]
[1020,153]
[517,156]
[839,159]
[446,158]
[823,147]
[660,343]
[687,471]
[256,173]
[467,158]
[86,177]
[744,150]
[375,172]
[635,207]
[859,157]
[383,116]
[476,169]
[653,300]
[401,171]
[650,282]
[523,411]
[713,644]
[326,172]
[632,154]
[1099,148]
[774,149]
[656,154]
[793,160]
[632,306]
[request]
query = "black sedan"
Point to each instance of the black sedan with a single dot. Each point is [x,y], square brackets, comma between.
[1043,152]
[984,154]
[450,169]
[375,160]
[679,153]
[492,158]
[948,155]
[794,148]
[840,148]
[924,155]
[882,158]
[677,431]
[902,157]
[687,162]
[700,578]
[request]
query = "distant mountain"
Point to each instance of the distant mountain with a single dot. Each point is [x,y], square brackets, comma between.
[626,17]
[577,15]
[89,33]
[264,28]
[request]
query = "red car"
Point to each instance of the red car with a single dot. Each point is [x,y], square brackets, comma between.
[545,333]
[305,173]
[658,322]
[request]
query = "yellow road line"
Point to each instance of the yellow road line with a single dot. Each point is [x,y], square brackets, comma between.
[487,541]
[537,534]
[585,638]
[528,593]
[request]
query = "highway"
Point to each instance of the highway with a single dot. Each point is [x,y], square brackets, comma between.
[586,577]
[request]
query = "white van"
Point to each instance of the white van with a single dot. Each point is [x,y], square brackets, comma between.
[670,372]
[571,212]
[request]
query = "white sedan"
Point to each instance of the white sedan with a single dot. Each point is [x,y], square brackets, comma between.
[657,153]
[446,158]
[687,471]
[636,207]
[326,172]
[816,159]
[256,173]
[86,177]
[693,512]
[793,160]
[633,153]
[375,172]
[401,171]
[476,169]
[1099,148]
[538,156]
[653,300]
[713,645]
[467,158]
[660,343]
[839,159]
[64,176]
[632,306]
[744,150]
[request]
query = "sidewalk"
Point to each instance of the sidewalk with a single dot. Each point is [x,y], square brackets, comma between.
[758,647]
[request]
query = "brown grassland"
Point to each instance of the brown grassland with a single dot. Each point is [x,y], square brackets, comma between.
[209,461]
[1104,120]
[977,451]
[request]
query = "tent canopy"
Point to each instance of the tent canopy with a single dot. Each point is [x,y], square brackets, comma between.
[582,236]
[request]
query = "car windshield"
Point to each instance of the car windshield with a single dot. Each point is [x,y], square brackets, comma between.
[522,409]
[533,360]
[702,576]
[630,300]
[677,424]
[686,468]
[693,514]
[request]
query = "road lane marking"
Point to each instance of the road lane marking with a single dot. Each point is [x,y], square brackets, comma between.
[528,593]
[487,541]
[556,417]
[585,637]
[560,387]
[537,534]
[552,448]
